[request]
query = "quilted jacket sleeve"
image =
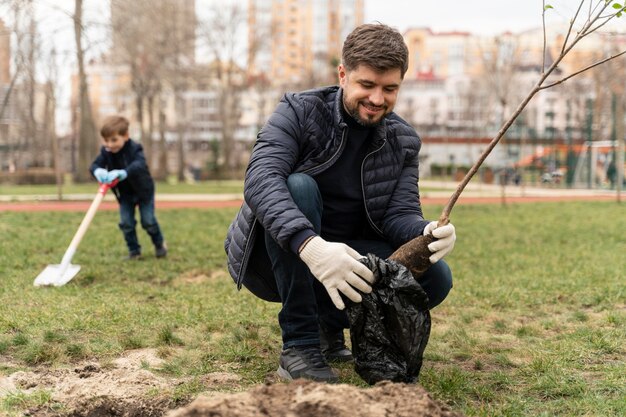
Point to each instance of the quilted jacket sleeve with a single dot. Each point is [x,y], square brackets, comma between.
[404,219]
[274,158]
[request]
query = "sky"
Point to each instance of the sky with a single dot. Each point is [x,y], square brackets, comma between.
[482,17]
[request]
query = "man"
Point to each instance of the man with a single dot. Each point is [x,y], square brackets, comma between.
[333,175]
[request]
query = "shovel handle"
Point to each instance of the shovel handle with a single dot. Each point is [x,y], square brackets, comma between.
[71,249]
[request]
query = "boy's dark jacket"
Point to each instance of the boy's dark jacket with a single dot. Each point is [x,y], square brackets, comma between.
[139,184]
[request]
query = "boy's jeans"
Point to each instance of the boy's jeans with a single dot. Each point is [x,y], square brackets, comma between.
[148,222]
[305,302]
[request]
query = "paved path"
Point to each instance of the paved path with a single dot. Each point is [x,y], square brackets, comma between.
[473,194]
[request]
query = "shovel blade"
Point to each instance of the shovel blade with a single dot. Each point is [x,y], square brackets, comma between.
[54,275]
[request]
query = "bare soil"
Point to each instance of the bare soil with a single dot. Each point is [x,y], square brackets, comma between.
[128,387]
[310,399]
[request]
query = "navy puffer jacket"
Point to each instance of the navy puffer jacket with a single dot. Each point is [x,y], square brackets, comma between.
[306,133]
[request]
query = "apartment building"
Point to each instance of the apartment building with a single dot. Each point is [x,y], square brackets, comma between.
[298,42]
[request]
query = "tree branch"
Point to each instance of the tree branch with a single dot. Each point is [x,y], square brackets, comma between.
[571,26]
[562,80]
[445,214]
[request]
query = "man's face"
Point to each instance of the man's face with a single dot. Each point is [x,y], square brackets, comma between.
[114,143]
[369,95]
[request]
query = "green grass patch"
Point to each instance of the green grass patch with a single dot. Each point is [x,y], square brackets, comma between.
[162,187]
[535,324]
[17,401]
[171,187]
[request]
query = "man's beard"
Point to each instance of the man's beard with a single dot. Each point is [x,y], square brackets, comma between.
[354,112]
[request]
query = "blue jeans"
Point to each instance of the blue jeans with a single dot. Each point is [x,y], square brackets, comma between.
[305,303]
[148,222]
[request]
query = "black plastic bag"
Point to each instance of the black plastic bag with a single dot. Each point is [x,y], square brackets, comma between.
[389,329]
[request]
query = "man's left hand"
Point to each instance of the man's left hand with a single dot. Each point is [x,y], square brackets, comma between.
[445,235]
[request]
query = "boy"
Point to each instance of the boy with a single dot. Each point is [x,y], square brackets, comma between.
[121,158]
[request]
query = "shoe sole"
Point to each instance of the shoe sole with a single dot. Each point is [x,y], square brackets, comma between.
[285,375]
[339,359]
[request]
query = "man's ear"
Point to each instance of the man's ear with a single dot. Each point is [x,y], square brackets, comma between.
[343,75]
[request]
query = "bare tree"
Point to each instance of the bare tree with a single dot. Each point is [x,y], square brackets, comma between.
[159,58]
[86,128]
[135,45]
[26,148]
[220,34]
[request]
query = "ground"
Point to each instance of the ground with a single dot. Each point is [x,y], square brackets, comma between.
[127,387]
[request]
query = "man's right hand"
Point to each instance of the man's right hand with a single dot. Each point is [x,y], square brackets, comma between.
[337,267]
[101,175]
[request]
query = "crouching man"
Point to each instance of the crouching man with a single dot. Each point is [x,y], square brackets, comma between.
[333,175]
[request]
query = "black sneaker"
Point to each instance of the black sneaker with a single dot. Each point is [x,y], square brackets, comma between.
[134,255]
[161,251]
[305,362]
[333,345]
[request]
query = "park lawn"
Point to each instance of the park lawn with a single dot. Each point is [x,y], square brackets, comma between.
[535,324]
[162,187]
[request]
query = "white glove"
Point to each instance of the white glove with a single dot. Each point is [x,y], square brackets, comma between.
[337,267]
[446,236]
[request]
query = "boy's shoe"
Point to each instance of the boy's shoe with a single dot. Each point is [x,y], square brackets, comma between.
[333,346]
[305,362]
[161,251]
[134,255]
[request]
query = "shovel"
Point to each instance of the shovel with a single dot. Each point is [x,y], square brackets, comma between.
[58,275]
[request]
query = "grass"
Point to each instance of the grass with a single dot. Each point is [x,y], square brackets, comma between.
[170,187]
[535,325]
[163,187]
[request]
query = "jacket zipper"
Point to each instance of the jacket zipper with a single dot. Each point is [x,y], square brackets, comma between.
[246,254]
[322,167]
[369,218]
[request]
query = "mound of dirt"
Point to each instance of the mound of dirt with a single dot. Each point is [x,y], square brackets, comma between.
[128,387]
[310,399]
[120,388]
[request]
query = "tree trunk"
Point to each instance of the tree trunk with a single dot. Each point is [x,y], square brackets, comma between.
[87,138]
[163,170]
[148,143]
[181,152]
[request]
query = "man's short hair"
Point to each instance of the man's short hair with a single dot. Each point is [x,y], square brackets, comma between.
[114,125]
[377,46]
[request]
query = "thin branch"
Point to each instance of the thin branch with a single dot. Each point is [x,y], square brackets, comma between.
[562,80]
[598,17]
[601,24]
[571,25]
[592,11]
